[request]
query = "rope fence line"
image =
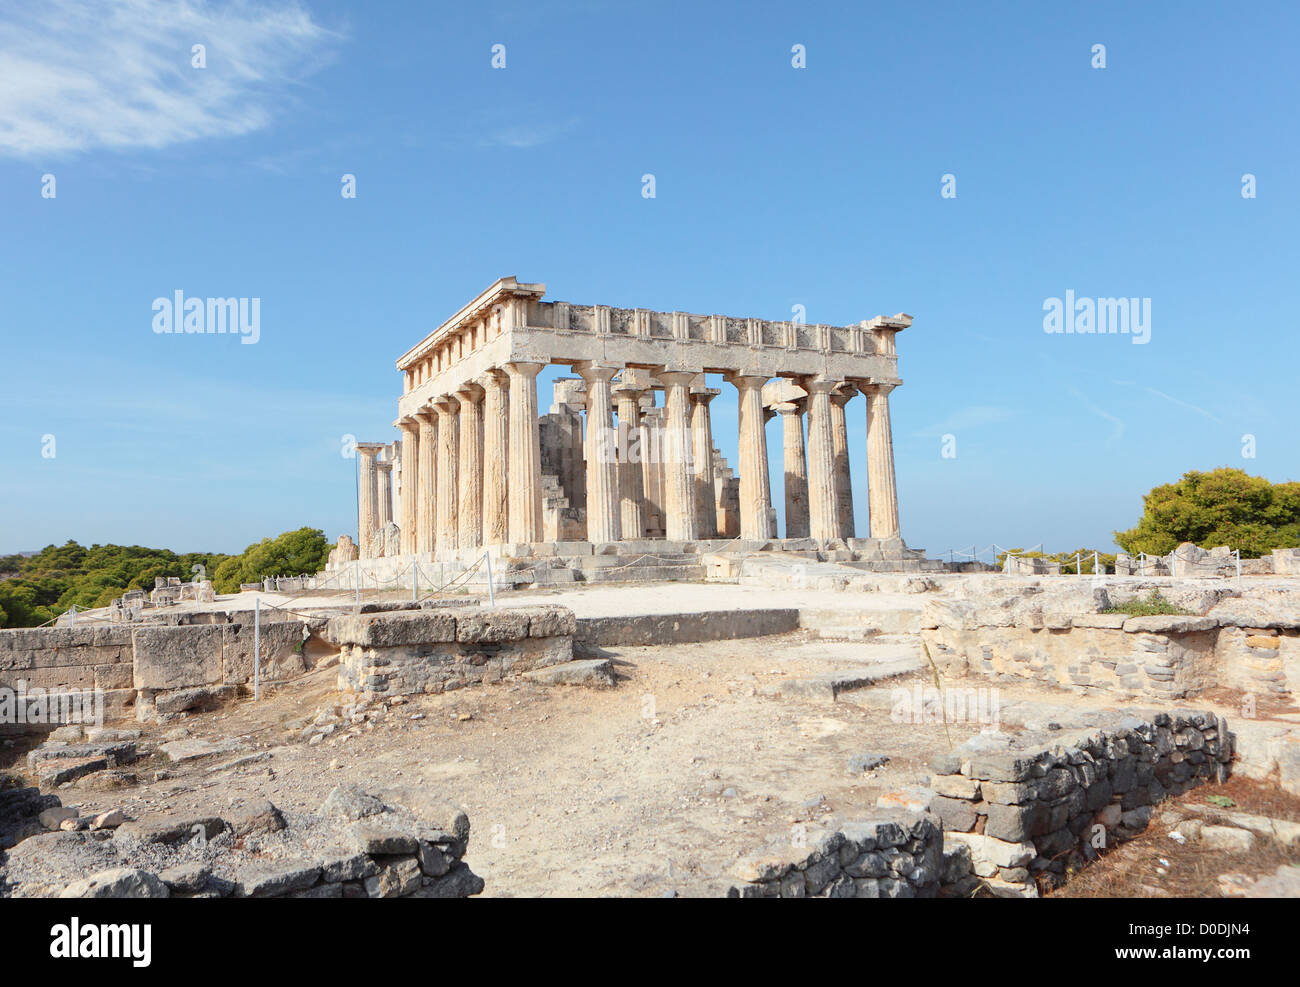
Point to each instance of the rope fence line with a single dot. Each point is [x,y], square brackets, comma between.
[354,577]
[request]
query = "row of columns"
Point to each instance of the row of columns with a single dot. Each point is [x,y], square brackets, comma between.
[472,462]
[472,465]
[818,479]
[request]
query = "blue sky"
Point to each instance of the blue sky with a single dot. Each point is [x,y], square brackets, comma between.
[775,187]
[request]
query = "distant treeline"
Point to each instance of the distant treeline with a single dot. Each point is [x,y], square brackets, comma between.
[37,588]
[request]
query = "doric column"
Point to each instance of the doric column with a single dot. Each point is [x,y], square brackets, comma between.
[385,468]
[679,484]
[408,492]
[882,491]
[448,453]
[631,488]
[840,451]
[367,498]
[525,454]
[604,516]
[823,524]
[496,457]
[755,489]
[796,469]
[426,507]
[706,501]
[470,467]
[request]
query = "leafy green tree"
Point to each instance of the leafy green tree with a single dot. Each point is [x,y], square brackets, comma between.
[293,553]
[35,589]
[1223,507]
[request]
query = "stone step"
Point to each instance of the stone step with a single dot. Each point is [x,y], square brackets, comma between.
[845,632]
[896,620]
[644,573]
[827,686]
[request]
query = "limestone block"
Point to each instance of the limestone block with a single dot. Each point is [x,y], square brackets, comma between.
[176,657]
[398,628]
[491,626]
[1169,624]
[281,650]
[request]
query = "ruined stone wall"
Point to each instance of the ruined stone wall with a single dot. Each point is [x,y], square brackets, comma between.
[356,845]
[90,657]
[1026,814]
[895,856]
[147,670]
[1169,656]
[411,652]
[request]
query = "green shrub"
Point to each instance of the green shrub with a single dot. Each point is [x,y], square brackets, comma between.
[1152,605]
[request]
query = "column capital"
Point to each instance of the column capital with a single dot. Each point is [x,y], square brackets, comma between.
[446,404]
[787,408]
[843,394]
[524,369]
[370,449]
[743,381]
[879,385]
[820,384]
[469,391]
[492,375]
[589,371]
[384,465]
[675,378]
[704,395]
[630,389]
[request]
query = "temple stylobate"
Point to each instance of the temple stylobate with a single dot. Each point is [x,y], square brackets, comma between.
[626,453]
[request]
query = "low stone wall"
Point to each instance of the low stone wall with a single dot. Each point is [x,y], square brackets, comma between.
[1023,813]
[138,666]
[684,628]
[409,652]
[357,845]
[894,855]
[1234,645]
[81,658]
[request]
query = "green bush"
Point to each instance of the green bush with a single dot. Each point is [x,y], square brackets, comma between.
[1223,507]
[1152,605]
[36,589]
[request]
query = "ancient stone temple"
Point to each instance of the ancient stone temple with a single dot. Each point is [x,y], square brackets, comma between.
[625,454]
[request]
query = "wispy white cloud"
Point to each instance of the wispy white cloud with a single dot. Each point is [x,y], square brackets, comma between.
[1185,405]
[965,419]
[1117,431]
[527,135]
[79,75]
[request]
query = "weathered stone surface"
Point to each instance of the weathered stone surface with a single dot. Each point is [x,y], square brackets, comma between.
[860,763]
[348,867]
[170,828]
[1169,625]
[348,802]
[53,818]
[459,882]
[594,673]
[492,626]
[119,882]
[397,628]
[195,747]
[177,657]
[1229,839]
[276,878]
[256,817]
[186,878]
[378,839]
[395,878]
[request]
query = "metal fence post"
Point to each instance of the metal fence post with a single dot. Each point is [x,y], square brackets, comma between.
[257,647]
